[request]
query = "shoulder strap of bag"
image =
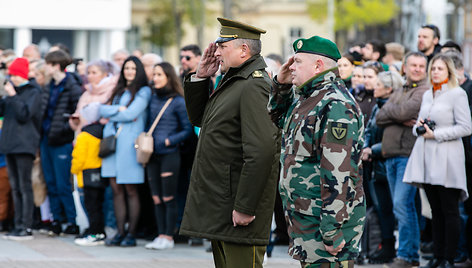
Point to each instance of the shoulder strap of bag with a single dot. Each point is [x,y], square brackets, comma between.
[158,117]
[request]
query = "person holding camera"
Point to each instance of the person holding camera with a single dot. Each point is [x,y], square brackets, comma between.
[437,160]
[19,142]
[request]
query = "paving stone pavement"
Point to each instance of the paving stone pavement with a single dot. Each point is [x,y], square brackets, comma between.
[61,252]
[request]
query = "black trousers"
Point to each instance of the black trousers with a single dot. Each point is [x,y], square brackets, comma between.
[19,174]
[382,201]
[446,219]
[165,186]
[93,201]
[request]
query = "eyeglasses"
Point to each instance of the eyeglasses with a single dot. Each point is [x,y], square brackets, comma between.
[186,57]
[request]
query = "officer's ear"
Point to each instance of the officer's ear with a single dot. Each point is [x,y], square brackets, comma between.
[244,50]
[319,66]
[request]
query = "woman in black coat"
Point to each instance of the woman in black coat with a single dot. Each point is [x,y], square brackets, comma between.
[164,166]
[378,186]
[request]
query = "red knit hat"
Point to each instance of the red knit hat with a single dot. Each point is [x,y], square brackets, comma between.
[19,67]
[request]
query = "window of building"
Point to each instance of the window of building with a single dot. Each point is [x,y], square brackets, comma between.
[6,38]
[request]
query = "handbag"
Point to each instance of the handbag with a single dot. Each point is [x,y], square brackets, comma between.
[108,144]
[93,179]
[144,144]
[40,191]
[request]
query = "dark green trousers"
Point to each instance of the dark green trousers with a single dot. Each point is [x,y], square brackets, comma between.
[232,255]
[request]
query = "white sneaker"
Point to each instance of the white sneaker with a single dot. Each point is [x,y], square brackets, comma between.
[165,244]
[91,240]
[154,244]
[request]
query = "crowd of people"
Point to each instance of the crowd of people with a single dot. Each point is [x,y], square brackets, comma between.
[60,117]
[383,131]
[417,136]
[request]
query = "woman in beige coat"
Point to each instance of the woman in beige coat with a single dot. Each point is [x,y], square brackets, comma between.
[437,162]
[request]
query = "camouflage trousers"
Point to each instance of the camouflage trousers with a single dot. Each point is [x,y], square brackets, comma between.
[343,264]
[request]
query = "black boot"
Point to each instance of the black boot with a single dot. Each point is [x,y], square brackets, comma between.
[385,253]
[434,263]
[446,264]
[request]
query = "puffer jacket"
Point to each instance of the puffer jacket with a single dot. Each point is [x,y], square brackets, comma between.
[60,132]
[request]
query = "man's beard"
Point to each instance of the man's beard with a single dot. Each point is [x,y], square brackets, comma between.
[424,49]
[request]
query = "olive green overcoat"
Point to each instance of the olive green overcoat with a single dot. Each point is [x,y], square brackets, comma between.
[236,164]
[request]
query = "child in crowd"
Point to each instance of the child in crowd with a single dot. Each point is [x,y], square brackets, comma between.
[86,164]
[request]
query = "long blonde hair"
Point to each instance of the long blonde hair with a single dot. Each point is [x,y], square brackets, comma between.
[453,79]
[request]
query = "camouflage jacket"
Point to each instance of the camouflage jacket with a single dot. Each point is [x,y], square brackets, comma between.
[320,184]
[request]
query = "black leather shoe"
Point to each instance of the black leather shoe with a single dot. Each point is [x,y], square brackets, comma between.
[55,229]
[433,263]
[446,264]
[115,241]
[128,241]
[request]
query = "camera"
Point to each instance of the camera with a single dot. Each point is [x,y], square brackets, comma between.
[422,130]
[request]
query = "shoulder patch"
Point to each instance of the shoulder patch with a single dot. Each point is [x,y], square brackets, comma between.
[337,133]
[257,74]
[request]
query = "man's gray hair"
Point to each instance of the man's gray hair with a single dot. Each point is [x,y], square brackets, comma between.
[328,62]
[255,45]
[456,58]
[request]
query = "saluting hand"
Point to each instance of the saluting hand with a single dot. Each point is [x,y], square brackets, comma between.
[285,75]
[242,219]
[208,64]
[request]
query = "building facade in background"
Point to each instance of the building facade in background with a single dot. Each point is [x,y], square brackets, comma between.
[284,20]
[90,28]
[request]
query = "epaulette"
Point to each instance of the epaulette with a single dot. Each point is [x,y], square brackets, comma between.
[257,74]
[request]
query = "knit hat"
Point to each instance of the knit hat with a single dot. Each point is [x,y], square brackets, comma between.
[19,67]
[91,112]
[317,45]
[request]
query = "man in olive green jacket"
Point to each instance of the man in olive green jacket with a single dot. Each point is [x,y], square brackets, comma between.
[234,175]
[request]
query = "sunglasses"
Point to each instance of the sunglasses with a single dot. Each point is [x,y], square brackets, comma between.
[186,57]
[375,65]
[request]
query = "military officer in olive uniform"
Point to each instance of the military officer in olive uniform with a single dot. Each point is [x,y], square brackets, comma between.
[234,175]
[322,140]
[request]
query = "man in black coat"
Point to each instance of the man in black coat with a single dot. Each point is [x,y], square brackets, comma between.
[59,102]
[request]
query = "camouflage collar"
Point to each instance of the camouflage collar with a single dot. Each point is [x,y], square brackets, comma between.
[318,81]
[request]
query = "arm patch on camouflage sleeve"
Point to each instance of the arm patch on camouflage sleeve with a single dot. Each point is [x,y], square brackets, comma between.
[337,133]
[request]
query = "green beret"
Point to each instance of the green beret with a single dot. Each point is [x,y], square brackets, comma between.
[317,45]
[231,29]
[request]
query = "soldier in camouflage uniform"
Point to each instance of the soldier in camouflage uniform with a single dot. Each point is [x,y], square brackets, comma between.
[320,184]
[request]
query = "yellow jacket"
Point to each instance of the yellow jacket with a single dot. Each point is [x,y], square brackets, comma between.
[85,155]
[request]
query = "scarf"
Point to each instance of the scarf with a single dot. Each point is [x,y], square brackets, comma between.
[438,86]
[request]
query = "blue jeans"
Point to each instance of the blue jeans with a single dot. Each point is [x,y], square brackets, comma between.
[56,163]
[403,196]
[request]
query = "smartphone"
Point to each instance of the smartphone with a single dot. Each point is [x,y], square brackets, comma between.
[73,116]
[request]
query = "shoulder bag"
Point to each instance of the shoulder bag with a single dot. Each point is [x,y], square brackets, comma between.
[108,144]
[144,144]
[93,179]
